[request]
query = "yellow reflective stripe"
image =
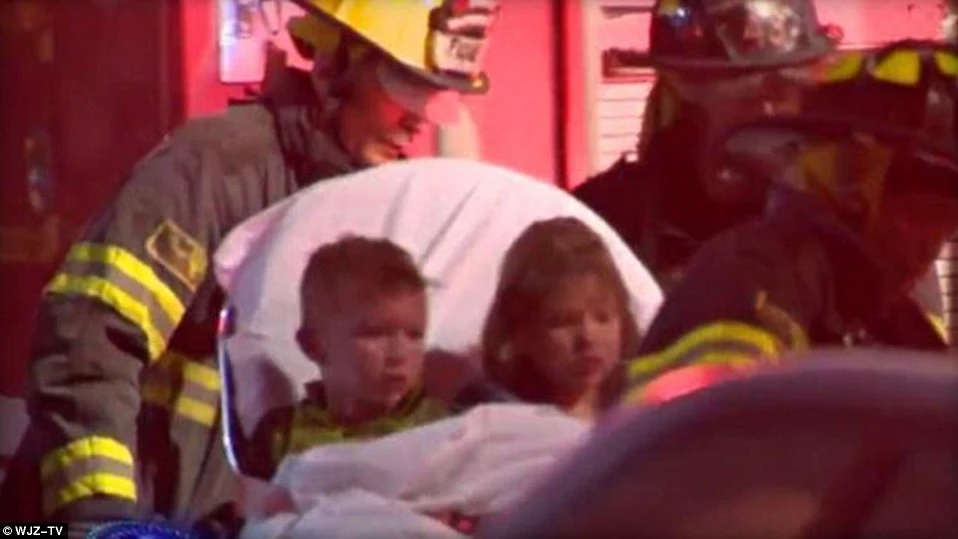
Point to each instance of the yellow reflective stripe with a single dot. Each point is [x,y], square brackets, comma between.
[902,67]
[845,68]
[89,466]
[202,375]
[136,269]
[939,324]
[95,484]
[310,425]
[197,411]
[899,67]
[184,386]
[103,290]
[720,334]
[947,63]
[84,449]
[162,395]
[124,283]
[726,357]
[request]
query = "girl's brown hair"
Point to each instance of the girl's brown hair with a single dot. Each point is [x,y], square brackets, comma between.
[544,255]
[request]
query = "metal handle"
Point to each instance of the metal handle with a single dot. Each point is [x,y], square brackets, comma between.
[275,26]
[232,432]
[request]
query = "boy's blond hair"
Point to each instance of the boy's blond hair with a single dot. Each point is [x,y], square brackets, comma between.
[352,269]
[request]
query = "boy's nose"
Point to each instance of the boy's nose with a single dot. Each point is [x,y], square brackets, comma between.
[400,350]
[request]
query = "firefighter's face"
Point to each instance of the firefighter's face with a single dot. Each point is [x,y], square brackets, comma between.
[730,99]
[374,128]
[909,232]
[576,339]
[719,103]
[371,351]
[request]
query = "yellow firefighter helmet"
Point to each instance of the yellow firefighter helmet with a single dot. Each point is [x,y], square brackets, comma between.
[440,41]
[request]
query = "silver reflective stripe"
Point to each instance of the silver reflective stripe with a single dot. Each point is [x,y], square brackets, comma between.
[161,319]
[185,386]
[947,267]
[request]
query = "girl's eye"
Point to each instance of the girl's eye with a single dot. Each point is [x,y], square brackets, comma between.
[604,317]
[558,320]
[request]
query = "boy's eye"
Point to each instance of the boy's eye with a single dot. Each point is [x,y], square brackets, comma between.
[371,331]
[377,331]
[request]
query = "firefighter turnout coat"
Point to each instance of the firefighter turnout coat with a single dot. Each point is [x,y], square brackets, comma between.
[124,389]
[777,284]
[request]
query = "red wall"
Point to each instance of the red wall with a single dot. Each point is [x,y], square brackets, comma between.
[516,119]
[97,106]
[870,22]
[203,93]
[574,142]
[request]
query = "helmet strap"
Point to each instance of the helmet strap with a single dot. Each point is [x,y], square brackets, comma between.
[334,77]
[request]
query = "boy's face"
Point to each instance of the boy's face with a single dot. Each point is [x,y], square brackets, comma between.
[371,351]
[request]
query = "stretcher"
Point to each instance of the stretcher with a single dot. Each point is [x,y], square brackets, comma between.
[456,217]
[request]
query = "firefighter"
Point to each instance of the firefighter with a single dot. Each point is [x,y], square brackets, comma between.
[863,192]
[717,62]
[123,393]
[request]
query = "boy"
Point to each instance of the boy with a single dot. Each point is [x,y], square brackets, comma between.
[364,315]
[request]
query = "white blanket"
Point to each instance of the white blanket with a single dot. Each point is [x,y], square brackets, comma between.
[456,217]
[475,464]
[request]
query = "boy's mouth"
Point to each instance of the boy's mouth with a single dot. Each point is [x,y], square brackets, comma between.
[394,382]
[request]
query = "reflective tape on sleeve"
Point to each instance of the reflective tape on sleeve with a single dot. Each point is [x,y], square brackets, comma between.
[89,466]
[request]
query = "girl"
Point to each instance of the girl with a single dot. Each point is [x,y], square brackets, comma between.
[560,326]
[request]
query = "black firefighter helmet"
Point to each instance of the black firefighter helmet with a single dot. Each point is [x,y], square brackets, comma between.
[878,122]
[736,35]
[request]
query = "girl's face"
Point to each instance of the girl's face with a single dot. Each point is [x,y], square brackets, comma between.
[576,339]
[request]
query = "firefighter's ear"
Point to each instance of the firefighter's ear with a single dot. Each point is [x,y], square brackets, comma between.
[309,343]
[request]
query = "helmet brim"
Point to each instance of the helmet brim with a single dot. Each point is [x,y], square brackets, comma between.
[764,145]
[479,85]
[819,48]
[836,126]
